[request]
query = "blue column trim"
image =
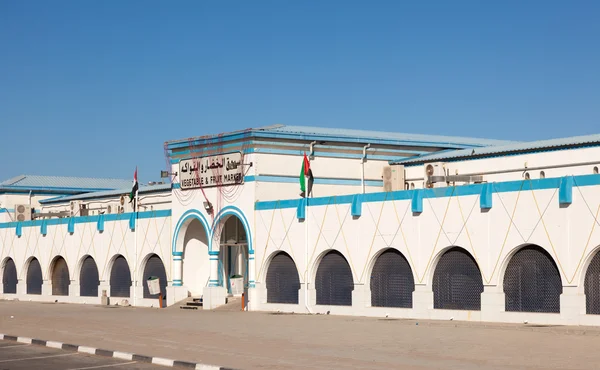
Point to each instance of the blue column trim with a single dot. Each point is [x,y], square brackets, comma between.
[44,228]
[565,192]
[357,205]
[19,229]
[100,224]
[301,209]
[71,226]
[485,200]
[132,221]
[417,201]
[213,253]
[178,254]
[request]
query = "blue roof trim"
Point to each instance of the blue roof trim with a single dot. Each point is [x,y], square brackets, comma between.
[338,135]
[475,189]
[107,194]
[507,150]
[88,219]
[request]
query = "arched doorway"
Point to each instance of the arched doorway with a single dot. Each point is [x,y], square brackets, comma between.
[60,277]
[334,282]
[283,282]
[592,286]
[457,282]
[155,267]
[392,282]
[196,264]
[532,282]
[34,277]
[120,278]
[9,277]
[233,256]
[89,279]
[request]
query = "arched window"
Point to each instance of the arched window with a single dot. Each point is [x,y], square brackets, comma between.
[457,282]
[334,282]
[283,282]
[392,282]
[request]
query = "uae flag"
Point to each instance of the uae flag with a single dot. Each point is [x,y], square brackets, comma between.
[306,178]
[134,188]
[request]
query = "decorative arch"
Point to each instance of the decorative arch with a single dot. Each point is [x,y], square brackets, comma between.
[34,276]
[231,211]
[334,281]
[59,275]
[392,282]
[154,267]
[282,279]
[88,276]
[9,276]
[532,281]
[457,283]
[120,277]
[182,225]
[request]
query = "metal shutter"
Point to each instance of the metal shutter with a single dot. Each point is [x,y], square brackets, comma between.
[89,278]
[457,283]
[592,287]
[60,277]
[155,267]
[34,277]
[283,282]
[120,278]
[392,282]
[532,282]
[9,277]
[334,283]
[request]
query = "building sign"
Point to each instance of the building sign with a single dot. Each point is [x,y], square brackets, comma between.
[218,170]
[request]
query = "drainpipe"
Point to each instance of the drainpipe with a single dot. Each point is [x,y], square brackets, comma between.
[362,167]
[311,150]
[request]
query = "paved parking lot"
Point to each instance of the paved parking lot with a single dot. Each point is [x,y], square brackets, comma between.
[15,356]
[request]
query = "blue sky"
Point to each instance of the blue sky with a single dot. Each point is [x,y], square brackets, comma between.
[94,88]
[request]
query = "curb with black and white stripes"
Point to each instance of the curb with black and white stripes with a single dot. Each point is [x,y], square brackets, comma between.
[115,354]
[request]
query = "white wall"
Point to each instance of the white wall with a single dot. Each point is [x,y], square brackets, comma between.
[567,233]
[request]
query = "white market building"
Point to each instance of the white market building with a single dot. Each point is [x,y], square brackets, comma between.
[412,226]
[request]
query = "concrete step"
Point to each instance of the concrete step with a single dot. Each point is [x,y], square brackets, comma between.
[192,304]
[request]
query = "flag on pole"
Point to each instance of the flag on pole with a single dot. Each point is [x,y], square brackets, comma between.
[306,178]
[134,188]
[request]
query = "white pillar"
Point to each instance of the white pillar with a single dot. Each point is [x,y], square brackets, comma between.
[177,269]
[492,303]
[251,271]
[422,301]
[214,268]
[572,305]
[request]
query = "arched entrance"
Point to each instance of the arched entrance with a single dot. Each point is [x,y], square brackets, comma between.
[89,278]
[196,264]
[120,278]
[60,277]
[457,282]
[334,282]
[9,277]
[532,282]
[233,255]
[392,282]
[34,277]
[155,267]
[283,282]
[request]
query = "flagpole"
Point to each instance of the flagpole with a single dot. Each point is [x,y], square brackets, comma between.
[135,277]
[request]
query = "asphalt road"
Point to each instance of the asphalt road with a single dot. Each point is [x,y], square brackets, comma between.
[15,356]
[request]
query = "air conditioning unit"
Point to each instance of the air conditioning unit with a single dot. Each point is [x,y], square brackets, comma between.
[434,174]
[393,178]
[112,208]
[22,212]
